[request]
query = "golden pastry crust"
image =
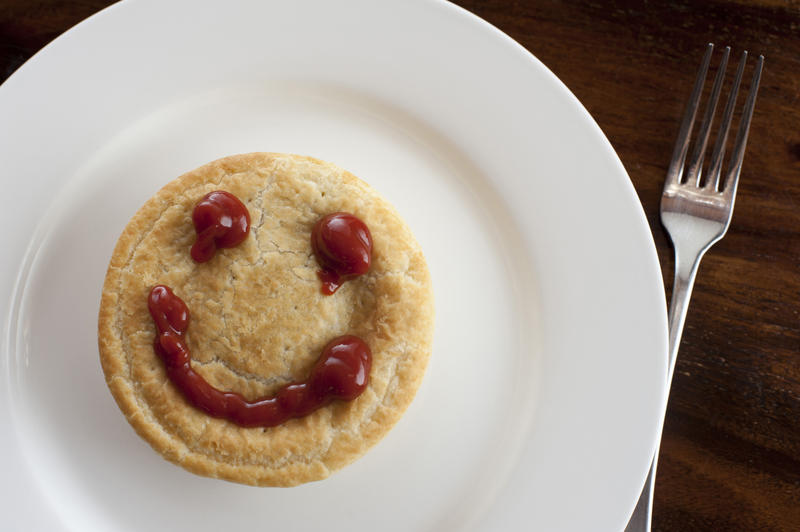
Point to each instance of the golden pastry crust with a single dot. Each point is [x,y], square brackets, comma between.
[259,319]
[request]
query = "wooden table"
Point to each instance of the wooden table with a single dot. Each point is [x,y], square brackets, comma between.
[730,459]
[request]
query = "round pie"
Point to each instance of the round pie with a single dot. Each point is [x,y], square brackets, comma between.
[259,319]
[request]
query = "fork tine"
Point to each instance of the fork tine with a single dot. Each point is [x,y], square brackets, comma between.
[735,165]
[675,170]
[715,167]
[694,172]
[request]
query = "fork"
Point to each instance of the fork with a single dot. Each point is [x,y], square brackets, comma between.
[696,211]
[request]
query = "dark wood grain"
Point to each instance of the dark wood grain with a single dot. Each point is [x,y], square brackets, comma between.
[730,459]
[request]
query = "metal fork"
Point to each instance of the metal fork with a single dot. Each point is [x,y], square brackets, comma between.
[696,212]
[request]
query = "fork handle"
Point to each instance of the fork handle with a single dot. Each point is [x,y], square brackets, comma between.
[685,273]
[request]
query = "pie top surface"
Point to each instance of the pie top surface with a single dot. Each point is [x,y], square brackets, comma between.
[259,320]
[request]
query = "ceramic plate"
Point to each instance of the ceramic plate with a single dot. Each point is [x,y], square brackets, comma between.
[539,409]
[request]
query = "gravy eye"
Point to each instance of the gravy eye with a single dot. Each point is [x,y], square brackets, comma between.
[221,221]
[342,244]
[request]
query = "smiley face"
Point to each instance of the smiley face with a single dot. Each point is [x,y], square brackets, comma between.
[260,320]
[342,245]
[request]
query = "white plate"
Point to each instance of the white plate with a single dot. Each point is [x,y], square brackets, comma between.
[540,405]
